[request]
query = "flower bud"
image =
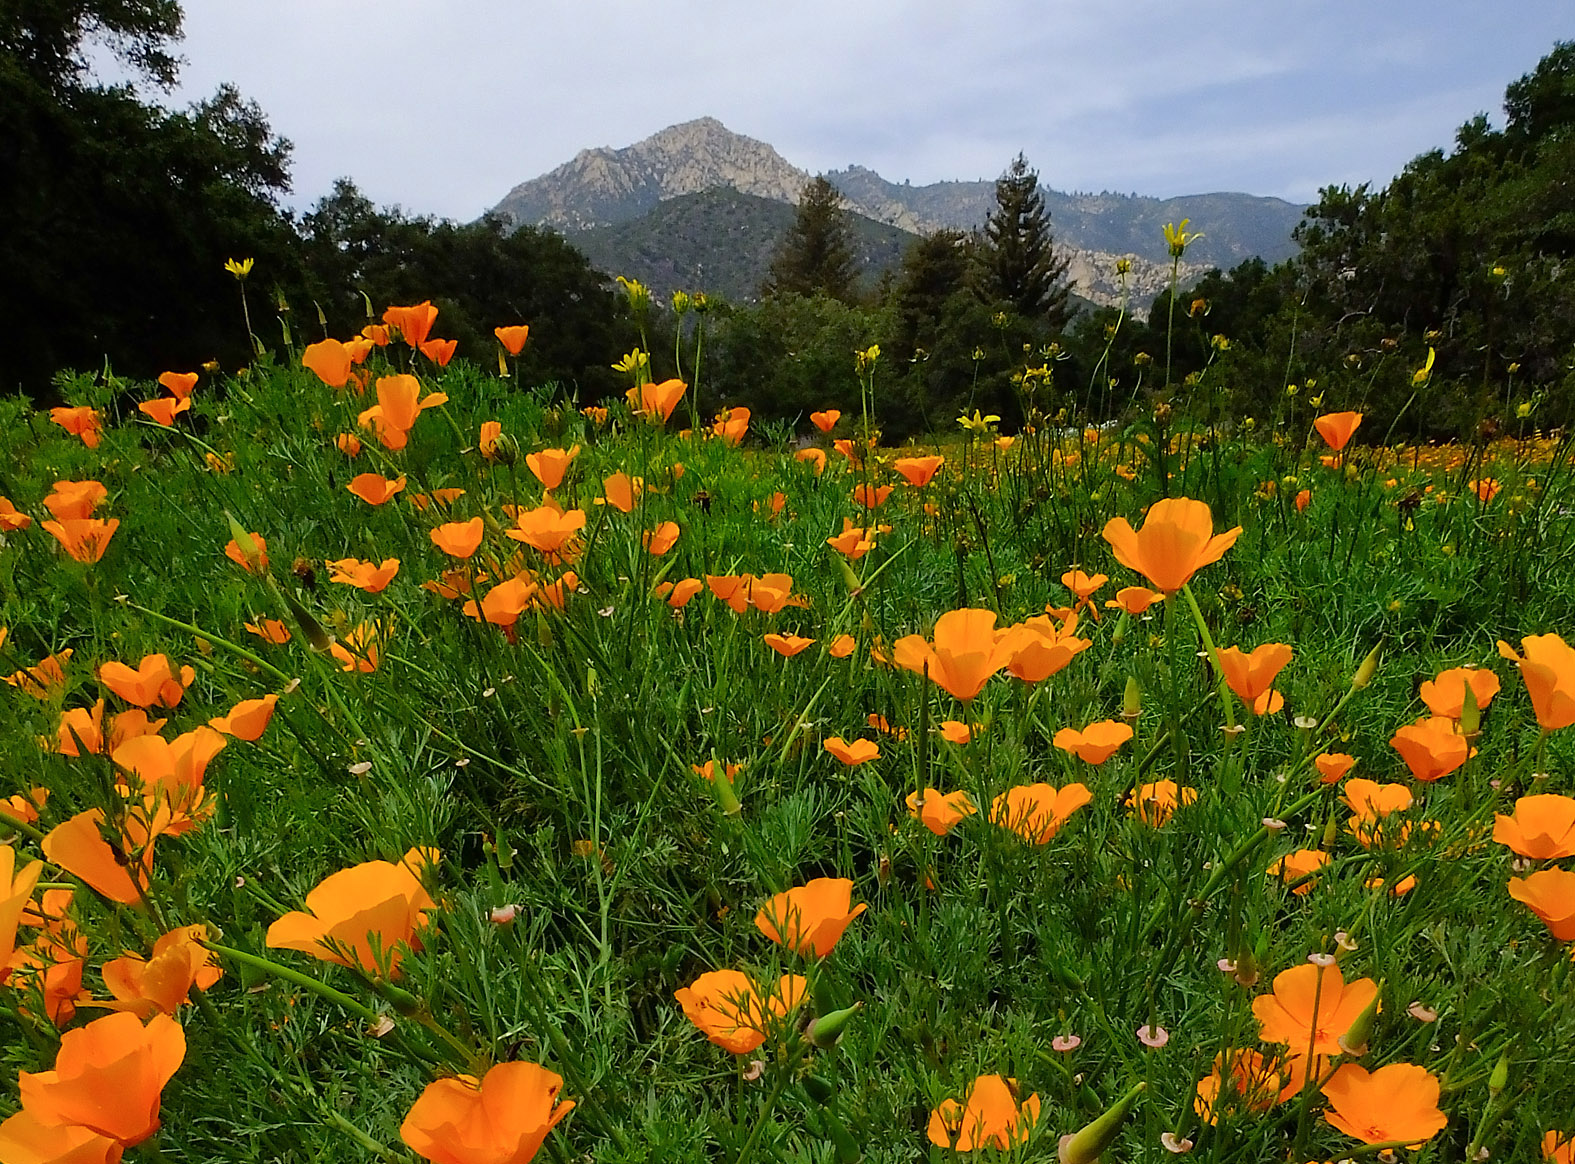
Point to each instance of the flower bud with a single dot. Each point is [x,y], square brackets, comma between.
[827,1029]
[1499,1079]
[1132,699]
[722,785]
[1470,714]
[1084,1146]
[1354,1041]
[319,638]
[1369,668]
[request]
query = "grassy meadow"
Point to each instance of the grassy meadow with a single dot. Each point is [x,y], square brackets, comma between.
[607,781]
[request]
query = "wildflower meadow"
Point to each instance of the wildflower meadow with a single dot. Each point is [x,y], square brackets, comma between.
[402,761]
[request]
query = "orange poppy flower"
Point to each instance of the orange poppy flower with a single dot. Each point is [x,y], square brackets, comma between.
[1542,828]
[1332,766]
[1252,676]
[377,333]
[1298,868]
[1395,1103]
[853,542]
[1370,800]
[1337,428]
[657,401]
[24,807]
[359,349]
[595,414]
[153,681]
[374,579]
[1431,747]
[852,754]
[550,465]
[487,440]
[1485,489]
[270,631]
[330,360]
[164,410]
[1154,804]
[811,917]
[439,351]
[1241,1080]
[22,1137]
[1036,812]
[81,730]
[549,531]
[955,732]
[459,539]
[918,471]
[414,323]
[842,646]
[1311,1008]
[770,593]
[363,916]
[1303,500]
[441,498]
[663,538]
[180,384]
[502,1118]
[787,645]
[967,650]
[1176,541]
[504,603]
[1548,669]
[108,1077]
[1133,599]
[989,1116]
[825,421]
[399,405]
[349,444]
[513,338]
[1446,695]
[84,538]
[373,489]
[163,983]
[81,421]
[816,457]
[16,890]
[731,425]
[871,496]
[1558,1149]
[169,773]
[361,650]
[78,847]
[941,812]
[11,518]
[1040,647]
[1096,743]
[678,595]
[1548,893]
[45,681]
[621,491]
[248,719]
[730,1011]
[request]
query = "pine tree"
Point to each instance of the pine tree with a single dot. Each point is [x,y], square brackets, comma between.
[1018,262]
[934,269]
[816,257]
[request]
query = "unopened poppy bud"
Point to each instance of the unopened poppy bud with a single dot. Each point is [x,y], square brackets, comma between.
[403,1001]
[1470,713]
[1084,1146]
[247,544]
[1132,699]
[827,1029]
[849,578]
[1369,668]
[320,639]
[1331,833]
[1118,636]
[1246,966]
[1499,1079]
[1354,1041]
[726,796]
[543,632]
[505,449]
[819,1090]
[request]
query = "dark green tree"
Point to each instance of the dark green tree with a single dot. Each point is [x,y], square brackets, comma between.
[47,39]
[816,257]
[934,269]
[1018,264]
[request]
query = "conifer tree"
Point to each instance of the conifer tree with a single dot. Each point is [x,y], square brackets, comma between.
[1018,261]
[816,257]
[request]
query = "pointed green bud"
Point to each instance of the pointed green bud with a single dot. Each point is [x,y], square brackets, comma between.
[1354,1041]
[819,1090]
[1499,1079]
[849,578]
[320,639]
[726,796]
[1118,636]
[1084,1146]
[827,1029]
[1470,713]
[1369,668]
[247,544]
[1132,699]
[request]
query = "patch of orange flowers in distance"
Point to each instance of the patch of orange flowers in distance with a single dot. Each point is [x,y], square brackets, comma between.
[811,917]
[1036,812]
[363,916]
[966,651]
[1548,669]
[1252,676]
[1176,541]
[729,1009]
[989,1116]
[501,1118]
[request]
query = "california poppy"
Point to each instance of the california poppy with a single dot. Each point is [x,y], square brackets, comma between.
[550,531]
[180,384]
[16,890]
[271,630]
[853,542]
[487,440]
[1485,489]
[1311,1008]
[871,496]
[967,650]
[1134,599]
[24,806]
[329,360]
[1542,828]
[1298,869]
[163,982]
[361,649]
[827,420]
[729,1009]
[1041,647]
[1252,676]
[1337,428]
[1398,1102]
[108,1077]
[362,916]
[78,847]
[153,681]
[1095,743]
[731,425]
[164,410]
[940,812]
[1548,669]
[787,645]
[955,732]
[11,518]
[368,576]
[1446,695]
[852,754]
[656,401]
[503,604]
[459,539]
[842,646]
[550,465]
[678,594]
[81,421]
[1332,766]
[414,323]
[349,444]
[81,730]
[44,681]
[1559,1149]
[1036,812]
[989,1116]
[1241,1080]
[513,338]
[501,1118]
[918,471]
[439,351]
[1176,541]
[373,489]
[84,538]
[1431,747]
[248,719]
[816,457]
[1154,804]
[811,917]
[22,1137]
[1548,893]
[661,539]
[621,491]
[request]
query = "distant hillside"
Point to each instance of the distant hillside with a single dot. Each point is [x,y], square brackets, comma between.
[720,241]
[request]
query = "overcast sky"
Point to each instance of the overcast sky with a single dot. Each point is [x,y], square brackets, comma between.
[442,106]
